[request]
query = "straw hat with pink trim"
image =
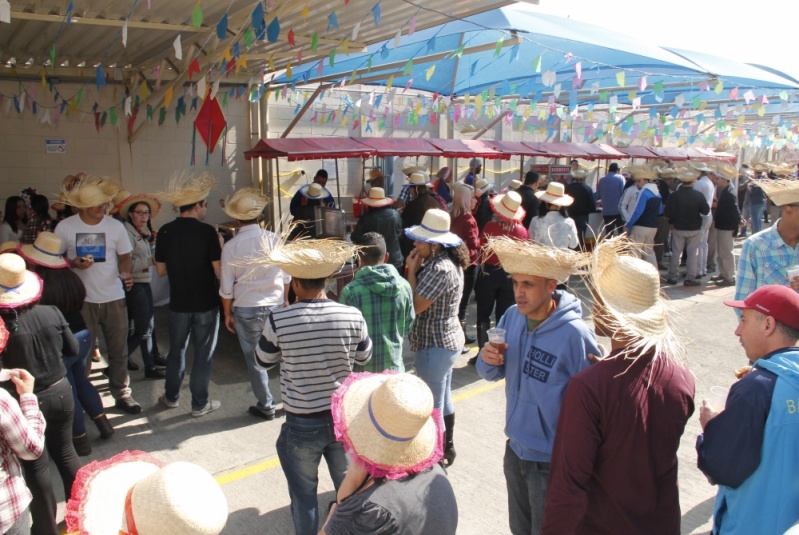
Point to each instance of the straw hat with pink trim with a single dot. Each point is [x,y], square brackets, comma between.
[388,423]
[8,247]
[555,194]
[508,206]
[45,251]
[18,286]
[377,198]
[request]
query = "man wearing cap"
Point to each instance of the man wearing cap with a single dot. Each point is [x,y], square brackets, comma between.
[99,252]
[303,203]
[529,200]
[609,190]
[250,290]
[684,210]
[767,256]
[583,205]
[188,252]
[748,447]
[546,344]
[315,340]
[726,220]
[614,461]
[383,219]
[475,167]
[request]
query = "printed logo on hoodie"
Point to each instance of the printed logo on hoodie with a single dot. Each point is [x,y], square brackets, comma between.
[538,364]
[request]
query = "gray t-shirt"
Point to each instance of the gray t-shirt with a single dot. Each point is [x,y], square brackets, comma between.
[419,505]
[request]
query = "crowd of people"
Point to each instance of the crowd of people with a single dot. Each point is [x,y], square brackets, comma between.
[388,436]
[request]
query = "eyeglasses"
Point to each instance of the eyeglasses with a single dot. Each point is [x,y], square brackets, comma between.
[139,212]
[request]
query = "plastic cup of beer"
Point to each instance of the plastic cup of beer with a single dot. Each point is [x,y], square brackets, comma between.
[793,271]
[496,337]
[718,397]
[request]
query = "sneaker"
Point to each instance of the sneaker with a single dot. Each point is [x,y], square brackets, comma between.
[671,281]
[689,282]
[128,404]
[155,373]
[211,406]
[699,277]
[132,366]
[168,404]
[716,278]
[255,411]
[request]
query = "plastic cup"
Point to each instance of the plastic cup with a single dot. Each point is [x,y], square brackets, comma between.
[496,337]
[792,271]
[718,397]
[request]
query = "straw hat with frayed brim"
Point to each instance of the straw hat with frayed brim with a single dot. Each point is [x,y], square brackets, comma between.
[184,189]
[508,206]
[374,174]
[90,192]
[641,172]
[310,259]
[117,200]
[388,424]
[8,247]
[702,167]
[45,251]
[68,183]
[665,172]
[555,194]
[411,169]
[781,192]
[628,289]
[150,200]
[761,167]
[726,170]
[313,191]
[527,258]
[686,175]
[18,286]
[377,198]
[434,229]
[246,204]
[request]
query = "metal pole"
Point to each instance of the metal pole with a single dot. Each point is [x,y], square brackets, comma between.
[278,193]
[338,185]
[521,168]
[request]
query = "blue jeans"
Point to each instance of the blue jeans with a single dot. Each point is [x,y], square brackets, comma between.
[527,493]
[756,216]
[249,327]
[203,328]
[140,312]
[300,446]
[433,365]
[84,394]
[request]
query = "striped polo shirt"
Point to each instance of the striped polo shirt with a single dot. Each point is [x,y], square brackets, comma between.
[316,342]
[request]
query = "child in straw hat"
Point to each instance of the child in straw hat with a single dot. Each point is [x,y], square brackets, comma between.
[642,381]
[546,343]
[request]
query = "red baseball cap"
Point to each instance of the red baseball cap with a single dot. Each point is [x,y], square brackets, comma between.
[779,302]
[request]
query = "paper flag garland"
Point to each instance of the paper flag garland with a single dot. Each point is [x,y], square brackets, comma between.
[221,27]
[100,77]
[194,66]
[376,14]
[258,21]
[125,34]
[273,30]
[332,21]
[355,30]
[290,37]
[197,16]
[178,48]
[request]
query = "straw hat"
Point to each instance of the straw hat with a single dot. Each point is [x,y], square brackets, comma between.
[665,172]
[411,169]
[388,424]
[702,167]
[527,258]
[374,173]
[508,206]
[308,258]
[418,178]
[761,167]
[377,198]
[90,192]
[184,189]
[150,200]
[8,247]
[313,191]
[555,194]
[629,291]
[726,170]
[45,251]
[784,170]
[68,183]
[579,174]
[118,198]
[641,172]
[781,192]
[684,174]
[434,229]
[133,492]
[246,204]
[483,185]
[18,286]
[515,184]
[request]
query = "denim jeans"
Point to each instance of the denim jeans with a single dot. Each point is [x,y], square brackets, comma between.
[302,442]
[202,328]
[756,216]
[493,286]
[140,312]
[84,394]
[527,493]
[249,327]
[433,365]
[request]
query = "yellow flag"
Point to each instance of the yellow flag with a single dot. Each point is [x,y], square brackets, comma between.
[226,55]
[478,104]
[632,94]
[144,91]
[389,83]
[620,78]
[271,63]
[344,121]
[44,80]
[168,97]
[467,99]
[345,46]
[304,11]
[288,71]
[242,62]
[526,113]
[429,72]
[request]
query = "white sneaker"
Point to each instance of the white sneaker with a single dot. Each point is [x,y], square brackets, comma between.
[211,406]
[168,404]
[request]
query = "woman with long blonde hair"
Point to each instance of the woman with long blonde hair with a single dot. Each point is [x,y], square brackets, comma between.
[465,226]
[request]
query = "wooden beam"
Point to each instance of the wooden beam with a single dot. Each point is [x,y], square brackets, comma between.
[490,125]
[41,17]
[304,108]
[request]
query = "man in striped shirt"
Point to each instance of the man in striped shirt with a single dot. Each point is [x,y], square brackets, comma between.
[316,341]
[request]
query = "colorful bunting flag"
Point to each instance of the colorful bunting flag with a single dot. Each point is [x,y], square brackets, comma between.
[221,27]
[332,21]
[376,14]
[273,31]
[197,16]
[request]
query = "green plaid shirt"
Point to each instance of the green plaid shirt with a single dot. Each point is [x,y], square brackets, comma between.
[386,302]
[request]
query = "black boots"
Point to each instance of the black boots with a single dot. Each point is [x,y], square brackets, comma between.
[82,445]
[482,339]
[449,446]
[104,426]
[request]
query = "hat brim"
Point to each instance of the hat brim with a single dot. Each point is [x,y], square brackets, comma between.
[378,455]
[502,211]
[419,233]
[377,203]
[304,192]
[735,303]
[565,200]
[124,207]
[28,292]
[31,254]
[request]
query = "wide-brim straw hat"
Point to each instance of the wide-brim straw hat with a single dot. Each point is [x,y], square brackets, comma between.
[374,174]
[726,170]
[117,200]
[631,301]
[761,167]
[411,169]
[313,191]
[418,178]
[246,204]
[45,251]
[579,174]
[702,167]
[377,198]
[184,189]
[68,183]
[641,172]
[555,194]
[434,229]
[8,247]
[781,192]
[483,185]
[90,192]
[18,286]
[665,172]
[508,206]
[150,200]
[388,423]
[784,170]
[308,258]
[527,258]
[515,184]
[685,174]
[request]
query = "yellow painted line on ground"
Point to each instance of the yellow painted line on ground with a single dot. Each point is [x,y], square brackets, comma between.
[274,462]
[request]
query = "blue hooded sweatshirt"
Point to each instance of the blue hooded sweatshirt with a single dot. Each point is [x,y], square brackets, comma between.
[538,366]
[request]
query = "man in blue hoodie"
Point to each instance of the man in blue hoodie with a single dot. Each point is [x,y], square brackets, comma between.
[749,448]
[546,344]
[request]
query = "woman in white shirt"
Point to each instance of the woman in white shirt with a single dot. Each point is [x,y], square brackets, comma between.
[552,226]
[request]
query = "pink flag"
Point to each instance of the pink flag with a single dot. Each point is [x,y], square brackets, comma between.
[642,83]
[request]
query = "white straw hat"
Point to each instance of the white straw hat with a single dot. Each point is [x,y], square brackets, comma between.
[18,286]
[579,174]
[555,194]
[388,423]
[123,208]
[508,206]
[781,192]
[434,229]
[515,184]
[183,189]
[702,167]
[246,204]
[527,258]
[45,251]
[313,191]
[411,169]
[377,198]
[483,185]
[418,178]
[686,175]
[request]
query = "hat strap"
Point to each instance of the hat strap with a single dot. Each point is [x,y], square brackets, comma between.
[45,252]
[129,519]
[432,229]
[14,289]
[380,429]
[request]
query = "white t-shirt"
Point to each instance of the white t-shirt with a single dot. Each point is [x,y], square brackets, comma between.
[7,234]
[104,241]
